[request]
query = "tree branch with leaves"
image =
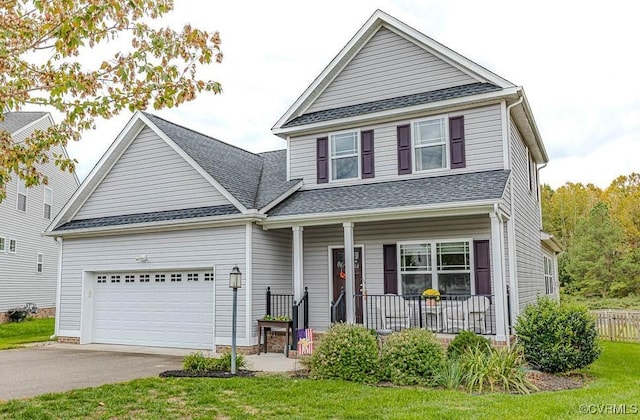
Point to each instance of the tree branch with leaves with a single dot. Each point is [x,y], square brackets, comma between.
[46,56]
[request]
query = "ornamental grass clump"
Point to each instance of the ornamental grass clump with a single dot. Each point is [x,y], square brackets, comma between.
[347,352]
[497,370]
[411,357]
[557,337]
[197,362]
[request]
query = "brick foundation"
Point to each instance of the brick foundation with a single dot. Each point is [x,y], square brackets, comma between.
[42,313]
[239,349]
[69,340]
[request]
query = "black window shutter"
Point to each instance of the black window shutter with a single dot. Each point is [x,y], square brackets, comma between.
[456,138]
[404,149]
[482,267]
[322,160]
[368,166]
[390,269]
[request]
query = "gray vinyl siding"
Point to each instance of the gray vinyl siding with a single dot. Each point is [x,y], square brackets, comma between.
[221,248]
[483,148]
[19,281]
[372,236]
[527,225]
[388,66]
[150,176]
[272,267]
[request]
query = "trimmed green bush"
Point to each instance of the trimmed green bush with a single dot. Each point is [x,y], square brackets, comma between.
[348,352]
[411,357]
[466,340]
[557,337]
[199,363]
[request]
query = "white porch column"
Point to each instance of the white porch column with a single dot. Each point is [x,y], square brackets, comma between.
[298,253]
[498,278]
[349,271]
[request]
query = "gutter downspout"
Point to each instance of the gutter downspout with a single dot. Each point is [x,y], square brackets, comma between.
[56,332]
[513,266]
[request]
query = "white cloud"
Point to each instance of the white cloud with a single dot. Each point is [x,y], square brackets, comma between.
[577,62]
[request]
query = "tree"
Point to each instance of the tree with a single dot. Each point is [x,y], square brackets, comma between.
[596,261]
[623,197]
[45,59]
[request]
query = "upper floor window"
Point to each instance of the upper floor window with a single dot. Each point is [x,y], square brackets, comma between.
[48,199]
[344,155]
[22,195]
[12,246]
[39,262]
[430,144]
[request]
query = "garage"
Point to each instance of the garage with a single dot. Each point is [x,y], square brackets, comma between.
[162,309]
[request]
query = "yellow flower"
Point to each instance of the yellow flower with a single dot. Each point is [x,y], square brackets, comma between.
[431,294]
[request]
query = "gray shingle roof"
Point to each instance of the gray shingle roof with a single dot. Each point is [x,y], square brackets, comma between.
[475,186]
[237,170]
[273,182]
[156,216]
[14,121]
[392,103]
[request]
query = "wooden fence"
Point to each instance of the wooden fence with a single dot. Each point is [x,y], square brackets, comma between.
[618,325]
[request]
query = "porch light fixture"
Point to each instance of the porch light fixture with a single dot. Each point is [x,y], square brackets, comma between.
[235,282]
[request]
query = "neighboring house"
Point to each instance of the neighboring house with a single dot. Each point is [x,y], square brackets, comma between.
[28,260]
[407,167]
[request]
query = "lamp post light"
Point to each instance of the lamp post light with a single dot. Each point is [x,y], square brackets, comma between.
[235,282]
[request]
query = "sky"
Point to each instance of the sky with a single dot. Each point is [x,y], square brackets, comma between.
[578,62]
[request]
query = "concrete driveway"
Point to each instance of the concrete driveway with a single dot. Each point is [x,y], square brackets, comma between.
[33,371]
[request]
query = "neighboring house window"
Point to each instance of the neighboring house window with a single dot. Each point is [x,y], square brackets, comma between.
[2,246]
[22,195]
[430,144]
[548,276]
[451,273]
[344,155]
[39,262]
[48,199]
[12,246]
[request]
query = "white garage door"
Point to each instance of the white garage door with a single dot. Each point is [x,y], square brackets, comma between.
[165,309]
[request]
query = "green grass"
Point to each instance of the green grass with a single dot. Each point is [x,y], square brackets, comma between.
[616,380]
[13,334]
[628,302]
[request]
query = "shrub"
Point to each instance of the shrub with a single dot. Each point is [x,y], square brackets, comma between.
[411,356]
[199,363]
[466,340]
[495,369]
[348,352]
[557,337]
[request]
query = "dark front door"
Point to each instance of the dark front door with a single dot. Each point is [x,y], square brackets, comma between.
[339,279]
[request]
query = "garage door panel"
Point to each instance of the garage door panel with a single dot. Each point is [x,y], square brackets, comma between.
[167,313]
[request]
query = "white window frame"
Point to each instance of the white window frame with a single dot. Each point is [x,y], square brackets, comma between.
[549,271]
[15,246]
[45,204]
[3,244]
[414,155]
[39,262]
[358,155]
[19,183]
[434,262]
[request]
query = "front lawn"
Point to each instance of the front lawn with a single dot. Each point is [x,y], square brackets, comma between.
[31,330]
[616,380]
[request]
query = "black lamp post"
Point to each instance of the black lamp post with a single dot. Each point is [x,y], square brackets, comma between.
[235,282]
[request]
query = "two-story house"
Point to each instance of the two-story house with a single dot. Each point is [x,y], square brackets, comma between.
[28,260]
[408,167]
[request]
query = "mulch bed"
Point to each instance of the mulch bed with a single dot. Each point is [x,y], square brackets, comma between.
[210,374]
[549,382]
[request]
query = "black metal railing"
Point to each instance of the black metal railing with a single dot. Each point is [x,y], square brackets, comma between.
[339,308]
[303,306]
[284,305]
[452,314]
